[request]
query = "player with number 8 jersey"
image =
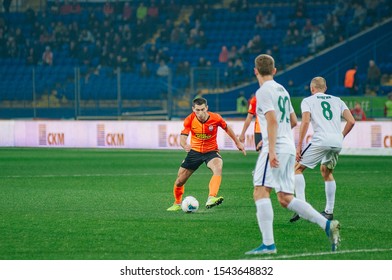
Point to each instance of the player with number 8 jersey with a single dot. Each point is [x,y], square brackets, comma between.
[324,112]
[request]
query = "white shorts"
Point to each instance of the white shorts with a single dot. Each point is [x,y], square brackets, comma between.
[281,178]
[313,155]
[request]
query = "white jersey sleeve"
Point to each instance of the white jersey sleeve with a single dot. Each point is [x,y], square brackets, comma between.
[325,114]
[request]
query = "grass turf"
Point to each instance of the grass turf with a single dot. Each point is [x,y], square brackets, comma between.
[93,204]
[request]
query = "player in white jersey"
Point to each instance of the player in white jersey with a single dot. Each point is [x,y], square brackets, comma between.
[324,111]
[275,164]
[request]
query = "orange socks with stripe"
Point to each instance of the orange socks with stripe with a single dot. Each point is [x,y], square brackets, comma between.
[178,192]
[215,185]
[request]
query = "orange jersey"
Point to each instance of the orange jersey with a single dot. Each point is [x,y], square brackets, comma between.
[203,135]
[252,110]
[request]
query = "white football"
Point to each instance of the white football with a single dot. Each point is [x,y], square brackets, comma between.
[190,204]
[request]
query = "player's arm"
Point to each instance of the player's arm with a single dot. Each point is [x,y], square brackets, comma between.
[302,133]
[350,122]
[272,128]
[183,142]
[293,120]
[237,142]
[247,122]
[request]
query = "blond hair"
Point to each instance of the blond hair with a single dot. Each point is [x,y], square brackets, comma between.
[319,83]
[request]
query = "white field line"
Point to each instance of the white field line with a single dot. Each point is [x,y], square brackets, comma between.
[149,174]
[342,252]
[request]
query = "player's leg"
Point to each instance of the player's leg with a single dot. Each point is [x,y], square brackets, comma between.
[327,166]
[299,181]
[284,180]
[265,220]
[215,164]
[191,163]
[264,212]
[310,157]
[330,191]
[179,187]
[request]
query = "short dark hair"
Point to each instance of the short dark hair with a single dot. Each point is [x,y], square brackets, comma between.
[265,64]
[199,101]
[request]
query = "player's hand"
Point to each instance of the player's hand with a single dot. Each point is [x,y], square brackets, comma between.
[241,147]
[298,156]
[187,148]
[259,145]
[273,158]
[242,138]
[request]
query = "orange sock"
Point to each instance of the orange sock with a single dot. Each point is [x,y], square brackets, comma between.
[215,184]
[178,192]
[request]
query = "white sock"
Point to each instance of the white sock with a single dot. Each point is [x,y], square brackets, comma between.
[300,186]
[330,190]
[306,211]
[265,218]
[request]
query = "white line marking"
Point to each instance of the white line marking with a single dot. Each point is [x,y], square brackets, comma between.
[145,174]
[84,175]
[324,253]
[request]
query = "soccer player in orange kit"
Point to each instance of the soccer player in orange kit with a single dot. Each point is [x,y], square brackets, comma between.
[203,126]
[257,131]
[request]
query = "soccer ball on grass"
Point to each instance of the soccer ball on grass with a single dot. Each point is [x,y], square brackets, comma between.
[190,204]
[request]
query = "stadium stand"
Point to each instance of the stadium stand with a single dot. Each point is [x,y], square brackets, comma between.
[105,78]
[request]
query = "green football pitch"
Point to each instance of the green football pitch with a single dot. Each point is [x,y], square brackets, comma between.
[103,204]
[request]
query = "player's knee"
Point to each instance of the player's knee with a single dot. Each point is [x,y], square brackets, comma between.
[284,203]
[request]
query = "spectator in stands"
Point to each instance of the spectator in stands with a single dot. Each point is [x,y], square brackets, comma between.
[289,38]
[202,62]
[300,9]
[85,56]
[223,55]
[201,42]
[163,70]
[388,106]
[307,29]
[239,68]
[270,19]
[127,12]
[229,73]
[141,12]
[108,9]
[233,53]
[45,38]
[73,49]
[358,113]
[144,70]
[255,45]
[66,8]
[183,68]
[351,80]
[7,5]
[86,37]
[76,8]
[60,34]
[260,21]
[153,12]
[30,16]
[317,40]
[32,57]
[373,78]
[359,16]
[20,41]
[47,56]
[55,8]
